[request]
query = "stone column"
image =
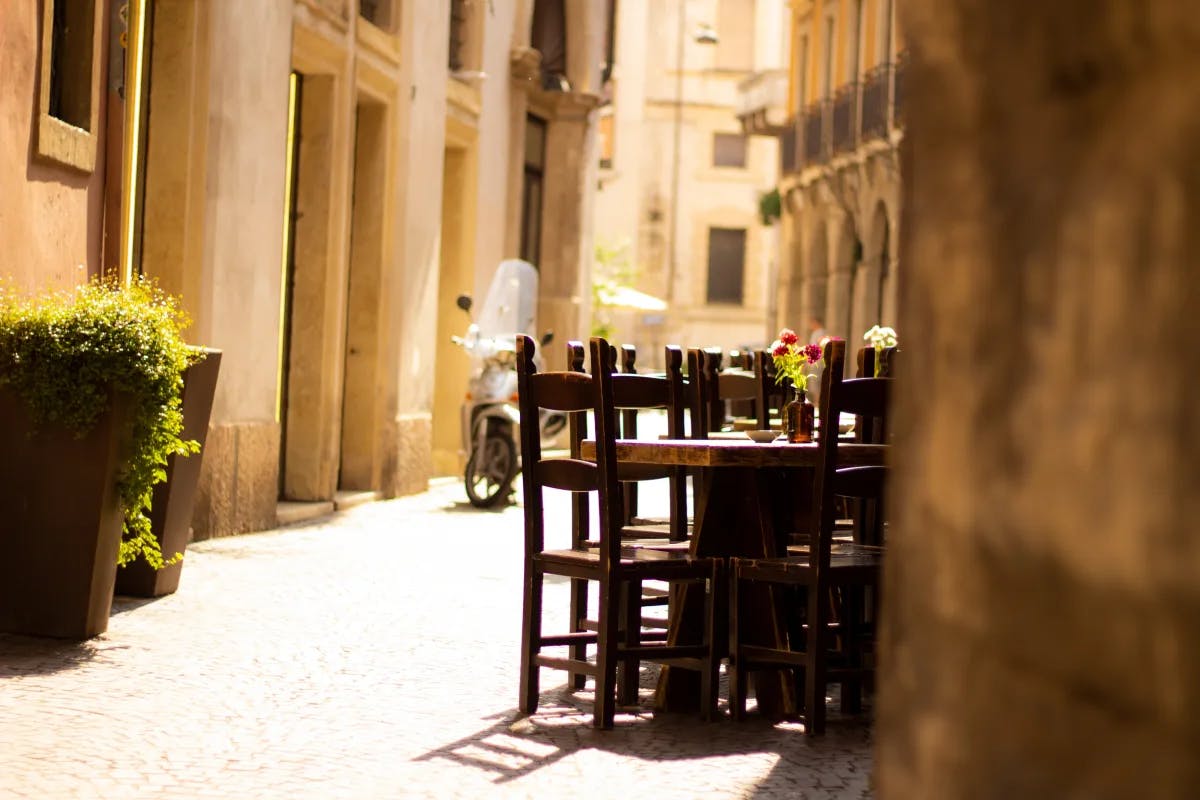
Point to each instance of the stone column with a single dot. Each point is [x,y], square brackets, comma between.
[1042,601]
[564,300]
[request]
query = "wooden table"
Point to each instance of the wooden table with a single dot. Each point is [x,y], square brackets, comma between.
[745,494]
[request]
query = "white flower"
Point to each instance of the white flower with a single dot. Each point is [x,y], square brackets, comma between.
[881,337]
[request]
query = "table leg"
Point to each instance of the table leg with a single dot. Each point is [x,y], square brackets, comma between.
[734,517]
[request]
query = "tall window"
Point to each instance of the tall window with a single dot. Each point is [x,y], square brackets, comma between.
[67,113]
[802,72]
[885,32]
[71,62]
[376,12]
[726,265]
[854,51]
[531,195]
[729,150]
[549,37]
[458,33]
[827,48]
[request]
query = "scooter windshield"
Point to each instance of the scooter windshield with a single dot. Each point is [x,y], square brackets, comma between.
[510,307]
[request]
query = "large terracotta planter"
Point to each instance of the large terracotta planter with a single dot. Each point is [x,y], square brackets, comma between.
[60,522]
[174,499]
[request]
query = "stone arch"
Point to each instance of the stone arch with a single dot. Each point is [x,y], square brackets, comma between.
[816,275]
[844,306]
[880,264]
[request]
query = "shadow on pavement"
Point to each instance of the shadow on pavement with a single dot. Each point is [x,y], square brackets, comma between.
[515,745]
[30,655]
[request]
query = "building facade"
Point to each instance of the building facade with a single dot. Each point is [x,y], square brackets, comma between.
[316,180]
[680,182]
[839,164]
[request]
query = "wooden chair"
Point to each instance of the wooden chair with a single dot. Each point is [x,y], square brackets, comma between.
[609,564]
[633,393]
[723,388]
[827,571]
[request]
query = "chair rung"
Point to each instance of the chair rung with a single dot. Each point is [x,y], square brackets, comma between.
[752,654]
[660,652]
[575,637]
[568,664]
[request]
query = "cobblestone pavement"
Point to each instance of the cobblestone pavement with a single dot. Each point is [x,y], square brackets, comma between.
[372,654]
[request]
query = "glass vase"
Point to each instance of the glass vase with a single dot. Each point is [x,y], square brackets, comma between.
[799,417]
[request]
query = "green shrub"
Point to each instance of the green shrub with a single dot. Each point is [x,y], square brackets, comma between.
[66,354]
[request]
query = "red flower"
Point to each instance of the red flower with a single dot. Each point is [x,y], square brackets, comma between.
[813,353]
[788,336]
[780,350]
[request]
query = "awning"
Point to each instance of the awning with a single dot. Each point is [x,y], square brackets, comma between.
[627,297]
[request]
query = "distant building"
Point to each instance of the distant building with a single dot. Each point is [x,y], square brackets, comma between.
[840,165]
[317,180]
[680,181]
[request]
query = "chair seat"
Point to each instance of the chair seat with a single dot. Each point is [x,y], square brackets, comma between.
[850,563]
[652,561]
[650,543]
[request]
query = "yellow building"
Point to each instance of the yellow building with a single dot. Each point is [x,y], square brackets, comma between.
[316,180]
[839,164]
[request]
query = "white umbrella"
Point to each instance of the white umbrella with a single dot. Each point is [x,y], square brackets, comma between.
[627,297]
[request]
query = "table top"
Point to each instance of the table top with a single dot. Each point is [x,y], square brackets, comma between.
[734,453]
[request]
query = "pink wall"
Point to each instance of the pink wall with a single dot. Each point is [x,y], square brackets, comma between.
[51,217]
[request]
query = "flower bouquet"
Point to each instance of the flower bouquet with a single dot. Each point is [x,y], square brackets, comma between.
[791,359]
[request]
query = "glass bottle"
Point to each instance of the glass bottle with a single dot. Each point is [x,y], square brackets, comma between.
[799,417]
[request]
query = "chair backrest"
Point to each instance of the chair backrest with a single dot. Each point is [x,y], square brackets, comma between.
[867,357]
[736,388]
[867,398]
[573,393]
[632,393]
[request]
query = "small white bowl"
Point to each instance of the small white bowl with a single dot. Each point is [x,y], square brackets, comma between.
[763,437]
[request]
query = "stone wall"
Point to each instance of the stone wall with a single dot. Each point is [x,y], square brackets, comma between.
[1043,593]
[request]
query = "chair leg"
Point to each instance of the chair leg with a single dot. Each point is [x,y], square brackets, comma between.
[579,608]
[628,670]
[710,678]
[814,662]
[737,671]
[852,605]
[605,711]
[531,640]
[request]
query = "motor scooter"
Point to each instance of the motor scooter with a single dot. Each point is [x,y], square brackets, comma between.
[491,421]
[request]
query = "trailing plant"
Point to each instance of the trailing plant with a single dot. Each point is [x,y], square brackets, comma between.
[69,353]
[770,207]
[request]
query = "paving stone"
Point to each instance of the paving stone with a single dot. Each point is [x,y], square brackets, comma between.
[342,658]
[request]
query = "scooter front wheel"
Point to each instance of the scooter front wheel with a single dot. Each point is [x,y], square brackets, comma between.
[490,471]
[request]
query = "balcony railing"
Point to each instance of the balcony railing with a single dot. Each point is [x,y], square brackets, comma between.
[813,130]
[858,113]
[875,102]
[787,149]
[844,125]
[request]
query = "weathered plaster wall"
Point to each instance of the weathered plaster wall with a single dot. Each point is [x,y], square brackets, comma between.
[1043,587]
[238,310]
[424,35]
[50,216]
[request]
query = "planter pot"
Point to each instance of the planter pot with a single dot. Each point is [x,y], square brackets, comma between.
[60,522]
[174,499]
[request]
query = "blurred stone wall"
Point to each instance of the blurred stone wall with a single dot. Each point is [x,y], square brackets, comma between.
[1043,591]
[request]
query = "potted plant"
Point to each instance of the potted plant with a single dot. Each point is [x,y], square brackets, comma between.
[174,499]
[89,415]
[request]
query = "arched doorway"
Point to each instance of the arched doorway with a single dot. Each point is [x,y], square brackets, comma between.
[883,236]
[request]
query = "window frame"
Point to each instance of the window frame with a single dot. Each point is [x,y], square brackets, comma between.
[59,141]
[709,298]
[745,149]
